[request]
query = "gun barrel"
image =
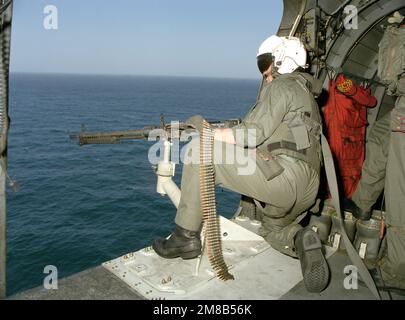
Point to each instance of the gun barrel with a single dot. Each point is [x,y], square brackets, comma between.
[114,137]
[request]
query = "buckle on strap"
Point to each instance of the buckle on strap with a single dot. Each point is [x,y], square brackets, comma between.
[285,145]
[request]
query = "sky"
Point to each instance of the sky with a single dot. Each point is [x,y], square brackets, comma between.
[204,38]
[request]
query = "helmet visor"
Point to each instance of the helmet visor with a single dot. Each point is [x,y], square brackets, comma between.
[264,62]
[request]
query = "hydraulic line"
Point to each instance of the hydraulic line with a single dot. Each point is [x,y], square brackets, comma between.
[212,232]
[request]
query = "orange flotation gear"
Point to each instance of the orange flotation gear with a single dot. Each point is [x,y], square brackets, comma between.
[346,120]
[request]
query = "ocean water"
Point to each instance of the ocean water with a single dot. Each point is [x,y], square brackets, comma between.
[81,206]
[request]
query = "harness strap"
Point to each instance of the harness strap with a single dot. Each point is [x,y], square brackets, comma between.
[285,145]
[333,187]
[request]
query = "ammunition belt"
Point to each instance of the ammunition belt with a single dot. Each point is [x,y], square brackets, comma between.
[212,226]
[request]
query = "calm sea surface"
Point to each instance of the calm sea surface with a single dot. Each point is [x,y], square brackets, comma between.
[81,206]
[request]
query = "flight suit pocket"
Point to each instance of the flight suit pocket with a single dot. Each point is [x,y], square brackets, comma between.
[351,147]
[267,165]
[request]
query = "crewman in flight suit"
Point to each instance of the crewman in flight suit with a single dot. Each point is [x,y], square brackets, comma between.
[286,124]
[386,157]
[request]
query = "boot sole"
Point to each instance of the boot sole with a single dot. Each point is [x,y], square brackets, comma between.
[190,255]
[184,255]
[316,271]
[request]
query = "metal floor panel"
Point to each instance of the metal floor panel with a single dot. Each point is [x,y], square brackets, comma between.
[261,273]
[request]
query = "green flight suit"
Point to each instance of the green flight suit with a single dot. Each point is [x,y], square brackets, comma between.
[384,169]
[284,196]
[385,158]
[393,261]
[372,179]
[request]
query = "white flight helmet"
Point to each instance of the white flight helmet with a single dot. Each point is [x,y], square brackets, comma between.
[285,53]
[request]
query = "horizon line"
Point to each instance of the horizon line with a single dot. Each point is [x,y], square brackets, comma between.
[131,75]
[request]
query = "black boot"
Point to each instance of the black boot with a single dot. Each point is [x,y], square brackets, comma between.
[315,269]
[350,206]
[182,243]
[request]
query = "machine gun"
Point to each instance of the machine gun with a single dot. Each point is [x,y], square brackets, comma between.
[115,137]
[165,170]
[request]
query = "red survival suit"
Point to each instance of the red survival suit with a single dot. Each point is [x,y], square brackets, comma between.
[346,120]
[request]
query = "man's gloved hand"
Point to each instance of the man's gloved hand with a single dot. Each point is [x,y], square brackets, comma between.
[398,120]
[345,86]
[396,18]
[196,122]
